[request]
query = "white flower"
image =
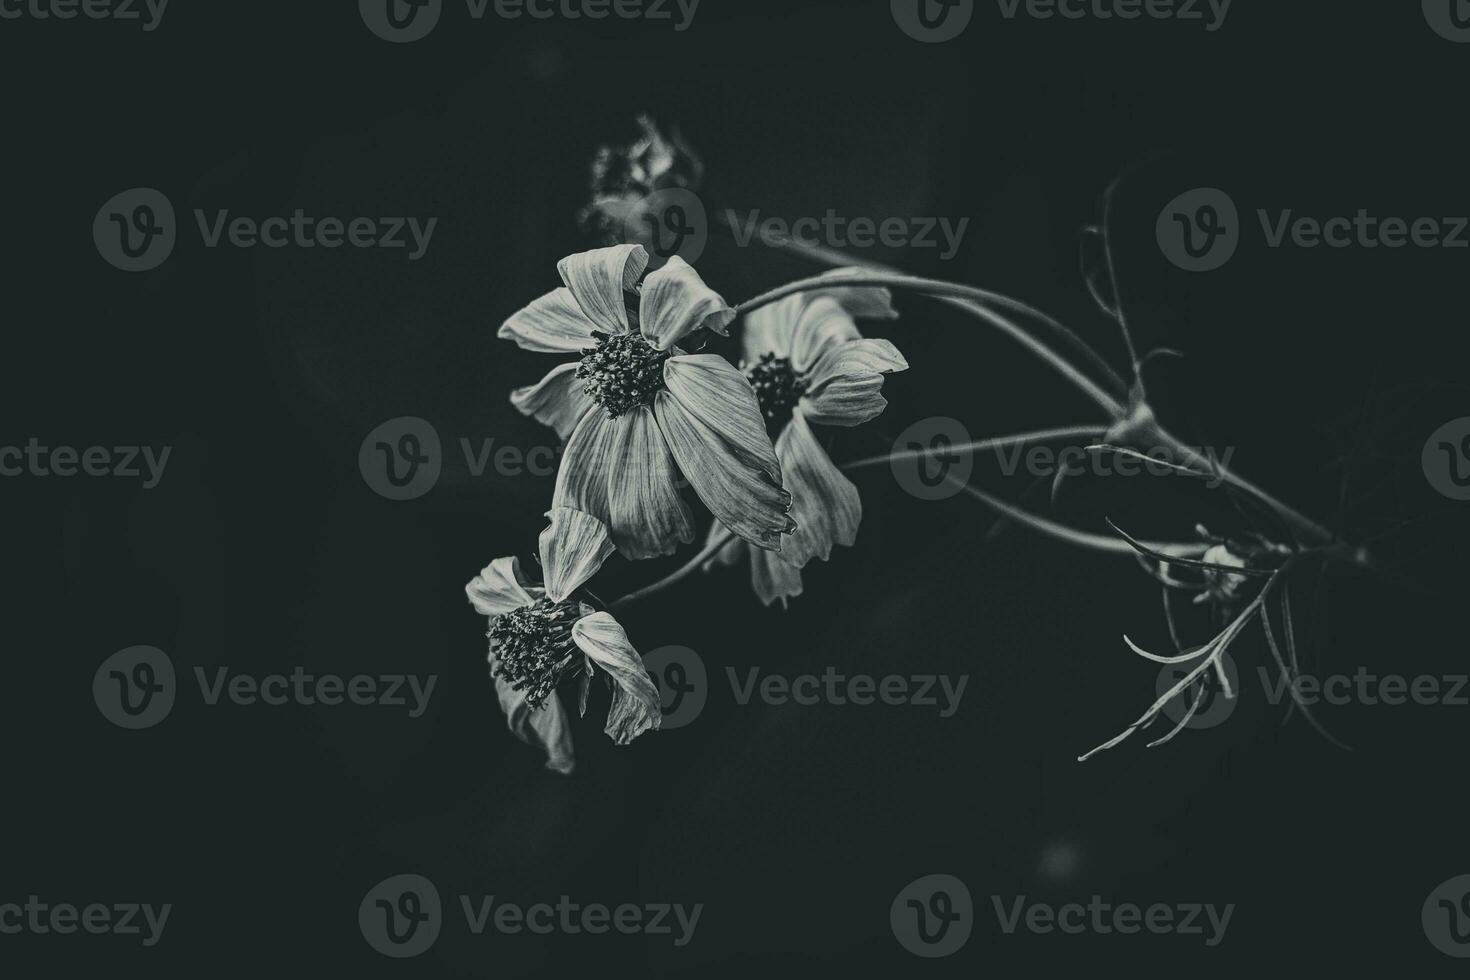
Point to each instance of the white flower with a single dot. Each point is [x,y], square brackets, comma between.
[809,365]
[636,410]
[540,636]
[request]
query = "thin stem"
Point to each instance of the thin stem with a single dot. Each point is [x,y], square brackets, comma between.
[940,288]
[716,542]
[1118,314]
[999,442]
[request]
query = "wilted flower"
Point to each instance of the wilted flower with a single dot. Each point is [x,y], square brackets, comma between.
[624,175]
[636,410]
[809,365]
[540,635]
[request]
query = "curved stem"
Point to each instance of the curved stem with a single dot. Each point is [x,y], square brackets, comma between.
[999,442]
[715,544]
[976,299]
[835,259]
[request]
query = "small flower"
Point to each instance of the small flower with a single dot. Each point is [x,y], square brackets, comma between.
[624,175]
[809,365]
[636,410]
[540,636]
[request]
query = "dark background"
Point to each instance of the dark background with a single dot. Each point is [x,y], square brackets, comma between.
[263,548]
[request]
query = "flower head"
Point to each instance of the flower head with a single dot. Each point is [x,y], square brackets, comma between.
[808,365]
[636,410]
[624,175]
[541,635]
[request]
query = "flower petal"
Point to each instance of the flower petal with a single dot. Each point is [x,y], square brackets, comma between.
[772,578]
[845,386]
[742,497]
[822,324]
[770,329]
[573,548]
[713,391]
[581,482]
[545,727]
[648,517]
[598,280]
[558,400]
[825,504]
[553,324]
[499,588]
[636,706]
[676,302]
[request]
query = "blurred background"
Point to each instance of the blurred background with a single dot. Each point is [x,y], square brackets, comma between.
[263,548]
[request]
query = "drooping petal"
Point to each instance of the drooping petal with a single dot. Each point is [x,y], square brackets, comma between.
[573,548]
[729,553]
[676,302]
[558,400]
[772,578]
[861,302]
[635,701]
[499,588]
[822,324]
[553,324]
[545,727]
[845,386]
[598,280]
[713,391]
[742,496]
[770,329]
[581,482]
[825,504]
[648,517]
